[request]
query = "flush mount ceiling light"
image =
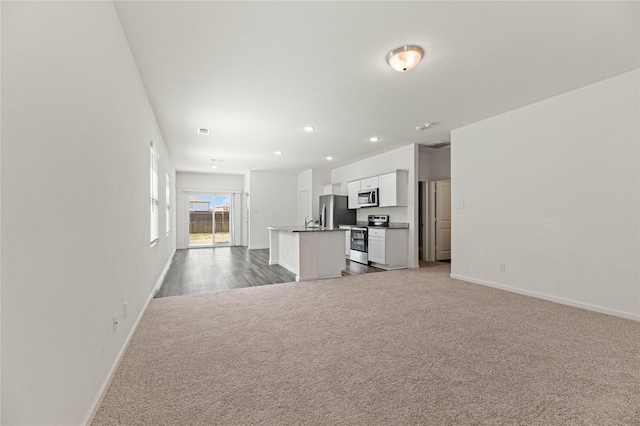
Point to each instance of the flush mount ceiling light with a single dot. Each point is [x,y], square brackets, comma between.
[203,131]
[374,139]
[425,126]
[404,58]
[214,167]
[329,158]
[278,152]
[309,129]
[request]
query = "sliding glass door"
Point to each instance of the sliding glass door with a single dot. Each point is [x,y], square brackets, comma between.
[222,217]
[209,220]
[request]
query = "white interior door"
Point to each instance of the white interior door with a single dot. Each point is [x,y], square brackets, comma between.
[443,219]
[303,206]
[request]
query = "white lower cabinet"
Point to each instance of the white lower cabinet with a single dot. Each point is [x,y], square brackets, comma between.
[377,249]
[388,248]
[347,243]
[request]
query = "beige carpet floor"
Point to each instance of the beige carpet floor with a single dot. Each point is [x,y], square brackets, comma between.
[393,348]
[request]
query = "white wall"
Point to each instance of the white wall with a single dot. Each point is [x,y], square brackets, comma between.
[76,127]
[273,202]
[305,183]
[313,180]
[552,190]
[205,183]
[405,158]
[440,163]
[423,165]
[246,208]
[435,164]
[320,178]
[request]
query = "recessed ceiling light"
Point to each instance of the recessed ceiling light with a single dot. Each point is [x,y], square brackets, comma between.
[278,152]
[214,167]
[374,139]
[329,158]
[309,129]
[425,126]
[203,131]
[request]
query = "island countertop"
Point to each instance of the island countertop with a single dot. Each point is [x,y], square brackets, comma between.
[302,229]
[311,253]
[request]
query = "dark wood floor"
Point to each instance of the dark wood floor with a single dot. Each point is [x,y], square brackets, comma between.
[213,269]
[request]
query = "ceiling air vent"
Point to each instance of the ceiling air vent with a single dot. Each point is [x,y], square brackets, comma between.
[437,144]
[202,131]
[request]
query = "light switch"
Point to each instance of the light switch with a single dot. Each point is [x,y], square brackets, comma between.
[461,204]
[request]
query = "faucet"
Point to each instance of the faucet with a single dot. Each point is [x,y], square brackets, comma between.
[307,222]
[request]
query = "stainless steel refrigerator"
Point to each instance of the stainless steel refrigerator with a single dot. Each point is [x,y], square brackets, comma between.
[334,211]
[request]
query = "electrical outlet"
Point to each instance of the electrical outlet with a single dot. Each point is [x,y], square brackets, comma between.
[115,322]
[501,267]
[125,310]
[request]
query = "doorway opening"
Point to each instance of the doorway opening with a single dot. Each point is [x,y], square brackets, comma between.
[209,220]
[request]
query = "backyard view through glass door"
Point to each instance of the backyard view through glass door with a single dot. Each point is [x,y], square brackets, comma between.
[209,217]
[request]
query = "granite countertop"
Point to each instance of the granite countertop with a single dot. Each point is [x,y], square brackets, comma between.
[392,225]
[302,229]
[398,225]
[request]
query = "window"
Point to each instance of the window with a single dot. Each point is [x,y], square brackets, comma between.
[155,204]
[168,202]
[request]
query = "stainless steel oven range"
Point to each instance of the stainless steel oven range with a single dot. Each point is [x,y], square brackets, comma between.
[379,220]
[360,238]
[359,243]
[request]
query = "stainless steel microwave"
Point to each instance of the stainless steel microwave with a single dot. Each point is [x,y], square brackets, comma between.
[368,198]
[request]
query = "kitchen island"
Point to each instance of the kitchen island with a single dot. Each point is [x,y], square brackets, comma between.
[310,253]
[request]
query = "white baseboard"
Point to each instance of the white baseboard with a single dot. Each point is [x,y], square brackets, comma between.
[258,247]
[160,280]
[287,267]
[550,298]
[105,385]
[391,268]
[103,389]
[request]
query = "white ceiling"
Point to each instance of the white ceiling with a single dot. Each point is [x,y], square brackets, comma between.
[256,73]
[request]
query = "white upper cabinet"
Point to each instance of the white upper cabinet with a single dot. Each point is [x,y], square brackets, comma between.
[354,187]
[369,183]
[393,189]
[329,189]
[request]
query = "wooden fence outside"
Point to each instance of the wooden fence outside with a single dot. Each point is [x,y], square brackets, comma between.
[201,222]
